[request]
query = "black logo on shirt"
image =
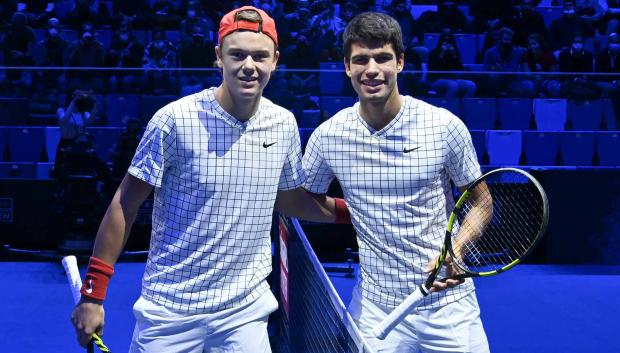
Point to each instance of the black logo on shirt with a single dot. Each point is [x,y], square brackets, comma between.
[267,145]
[407,150]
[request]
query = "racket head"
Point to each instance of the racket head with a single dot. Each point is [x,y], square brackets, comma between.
[497,222]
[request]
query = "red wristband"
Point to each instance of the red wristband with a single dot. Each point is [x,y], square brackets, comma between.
[342,212]
[97,278]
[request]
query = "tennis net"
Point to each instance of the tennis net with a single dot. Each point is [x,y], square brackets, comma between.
[312,318]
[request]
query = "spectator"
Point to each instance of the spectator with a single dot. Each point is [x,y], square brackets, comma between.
[506,57]
[525,20]
[163,14]
[51,52]
[299,56]
[489,14]
[452,17]
[87,52]
[295,22]
[540,59]
[194,16]
[609,61]
[591,11]
[73,121]
[413,34]
[578,60]
[132,12]
[38,11]
[446,57]
[88,11]
[412,80]
[348,10]
[126,51]
[197,53]
[327,32]
[18,49]
[159,54]
[563,29]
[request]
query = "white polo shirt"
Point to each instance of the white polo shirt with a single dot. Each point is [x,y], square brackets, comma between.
[396,182]
[216,180]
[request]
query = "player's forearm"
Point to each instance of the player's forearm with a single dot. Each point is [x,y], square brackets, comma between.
[113,232]
[477,219]
[302,204]
[305,205]
[116,224]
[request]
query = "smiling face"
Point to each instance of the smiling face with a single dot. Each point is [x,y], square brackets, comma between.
[247,60]
[373,68]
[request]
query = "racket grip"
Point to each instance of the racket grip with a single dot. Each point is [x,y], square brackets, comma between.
[73,275]
[399,313]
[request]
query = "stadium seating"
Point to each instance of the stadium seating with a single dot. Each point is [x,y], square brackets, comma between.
[504,147]
[478,138]
[541,148]
[26,144]
[479,113]
[577,148]
[514,113]
[585,115]
[451,104]
[332,105]
[330,82]
[610,121]
[608,148]
[550,114]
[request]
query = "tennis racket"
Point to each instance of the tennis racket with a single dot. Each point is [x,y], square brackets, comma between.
[495,223]
[75,281]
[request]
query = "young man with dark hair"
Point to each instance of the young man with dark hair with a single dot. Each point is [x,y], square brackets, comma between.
[394,157]
[218,161]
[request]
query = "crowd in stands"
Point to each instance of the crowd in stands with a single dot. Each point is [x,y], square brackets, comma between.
[155,44]
[149,35]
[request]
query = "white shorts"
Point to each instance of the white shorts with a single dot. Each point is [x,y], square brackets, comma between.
[455,327]
[242,329]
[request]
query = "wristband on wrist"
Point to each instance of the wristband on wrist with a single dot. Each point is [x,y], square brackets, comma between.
[97,278]
[342,212]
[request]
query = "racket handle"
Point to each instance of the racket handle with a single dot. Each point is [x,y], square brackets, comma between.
[90,348]
[399,313]
[73,275]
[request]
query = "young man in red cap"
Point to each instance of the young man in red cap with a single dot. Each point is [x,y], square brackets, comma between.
[218,161]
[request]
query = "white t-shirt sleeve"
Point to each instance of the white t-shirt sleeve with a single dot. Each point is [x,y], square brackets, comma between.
[292,175]
[319,174]
[156,151]
[462,162]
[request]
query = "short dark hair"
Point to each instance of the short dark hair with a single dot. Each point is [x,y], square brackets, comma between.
[373,26]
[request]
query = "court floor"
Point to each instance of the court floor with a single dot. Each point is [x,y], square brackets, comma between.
[533,309]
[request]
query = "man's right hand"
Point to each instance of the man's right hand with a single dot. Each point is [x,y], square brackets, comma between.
[88,318]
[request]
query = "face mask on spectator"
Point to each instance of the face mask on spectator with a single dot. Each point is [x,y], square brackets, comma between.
[198,37]
[160,44]
[578,46]
[53,32]
[614,47]
[124,37]
[191,13]
[569,12]
[87,35]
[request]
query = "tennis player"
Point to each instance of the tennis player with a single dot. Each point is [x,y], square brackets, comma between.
[216,161]
[394,157]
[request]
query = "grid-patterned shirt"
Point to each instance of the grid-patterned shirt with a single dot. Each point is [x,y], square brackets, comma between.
[216,180]
[396,182]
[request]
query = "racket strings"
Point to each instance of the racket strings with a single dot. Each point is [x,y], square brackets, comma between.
[500,225]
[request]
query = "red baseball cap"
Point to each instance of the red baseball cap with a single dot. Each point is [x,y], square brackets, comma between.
[230,24]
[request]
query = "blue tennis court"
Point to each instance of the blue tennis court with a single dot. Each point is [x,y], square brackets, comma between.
[533,308]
